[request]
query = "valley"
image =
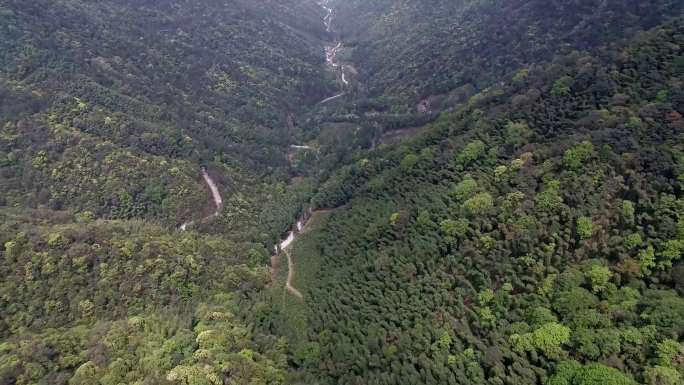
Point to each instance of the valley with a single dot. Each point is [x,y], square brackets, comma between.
[341,192]
[332,50]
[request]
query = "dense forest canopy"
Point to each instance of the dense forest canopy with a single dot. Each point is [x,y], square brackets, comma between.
[102,106]
[415,49]
[531,236]
[456,192]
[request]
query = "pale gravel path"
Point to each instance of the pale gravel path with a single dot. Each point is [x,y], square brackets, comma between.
[216,197]
[290,276]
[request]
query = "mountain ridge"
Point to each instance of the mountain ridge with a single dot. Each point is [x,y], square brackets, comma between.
[496,197]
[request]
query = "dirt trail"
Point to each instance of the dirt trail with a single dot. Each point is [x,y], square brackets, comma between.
[215,194]
[301,147]
[285,244]
[216,197]
[290,276]
[283,247]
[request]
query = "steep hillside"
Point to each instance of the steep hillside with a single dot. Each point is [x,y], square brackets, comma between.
[109,111]
[110,302]
[111,106]
[495,187]
[534,236]
[410,50]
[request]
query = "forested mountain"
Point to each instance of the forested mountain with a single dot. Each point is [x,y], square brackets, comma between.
[495,192]
[108,112]
[409,50]
[533,236]
[103,101]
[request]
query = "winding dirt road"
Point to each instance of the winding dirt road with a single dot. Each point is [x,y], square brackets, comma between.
[301,147]
[283,246]
[216,197]
[290,276]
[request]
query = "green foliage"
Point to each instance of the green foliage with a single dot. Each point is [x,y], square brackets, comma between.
[664,309]
[112,121]
[550,263]
[634,240]
[662,96]
[598,277]
[193,375]
[647,260]
[661,375]
[550,199]
[485,296]
[668,351]
[574,373]
[409,162]
[575,300]
[85,374]
[309,354]
[518,133]
[409,62]
[628,212]
[521,75]
[464,189]
[453,229]
[561,87]
[540,316]
[576,157]
[40,160]
[82,279]
[424,221]
[480,204]
[444,340]
[672,251]
[548,339]
[112,113]
[56,240]
[585,227]
[470,153]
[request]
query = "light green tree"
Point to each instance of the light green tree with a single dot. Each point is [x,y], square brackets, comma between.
[479,204]
[585,227]
[445,340]
[550,199]
[672,251]
[627,212]
[647,260]
[464,189]
[575,157]
[86,374]
[472,152]
[409,162]
[549,339]
[561,87]
[453,229]
[662,375]
[598,276]
[574,373]
[633,240]
[518,133]
[668,351]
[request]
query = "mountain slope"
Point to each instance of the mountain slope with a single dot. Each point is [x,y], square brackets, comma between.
[153,153]
[171,85]
[109,111]
[411,50]
[531,237]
